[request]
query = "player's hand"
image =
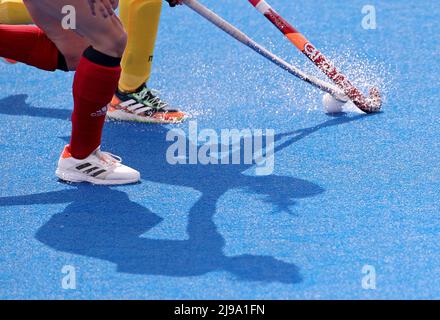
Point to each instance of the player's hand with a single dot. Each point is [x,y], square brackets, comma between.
[104,7]
[174,3]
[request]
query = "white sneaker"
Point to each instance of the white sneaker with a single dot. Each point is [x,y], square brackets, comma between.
[98,168]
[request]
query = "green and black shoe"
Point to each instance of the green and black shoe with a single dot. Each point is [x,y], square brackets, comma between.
[144,105]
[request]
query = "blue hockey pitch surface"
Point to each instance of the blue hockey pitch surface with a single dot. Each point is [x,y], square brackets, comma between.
[352,198]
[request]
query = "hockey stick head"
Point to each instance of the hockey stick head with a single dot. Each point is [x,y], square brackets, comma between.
[370,104]
[374,100]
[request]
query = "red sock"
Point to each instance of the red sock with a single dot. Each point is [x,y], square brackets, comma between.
[30,45]
[95,82]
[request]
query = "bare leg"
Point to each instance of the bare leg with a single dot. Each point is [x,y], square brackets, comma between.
[70,44]
[105,33]
[100,31]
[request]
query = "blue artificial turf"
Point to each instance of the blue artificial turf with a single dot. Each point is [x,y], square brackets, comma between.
[347,191]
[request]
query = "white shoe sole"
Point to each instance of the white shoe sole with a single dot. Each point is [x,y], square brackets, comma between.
[125,116]
[75,177]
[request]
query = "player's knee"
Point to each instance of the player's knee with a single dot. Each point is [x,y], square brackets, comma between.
[120,43]
[112,44]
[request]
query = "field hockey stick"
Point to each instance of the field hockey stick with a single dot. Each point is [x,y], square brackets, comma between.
[246,40]
[369,104]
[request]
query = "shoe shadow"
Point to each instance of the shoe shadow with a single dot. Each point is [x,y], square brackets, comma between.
[103,223]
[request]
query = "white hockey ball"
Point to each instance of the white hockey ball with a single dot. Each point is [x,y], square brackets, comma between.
[331,105]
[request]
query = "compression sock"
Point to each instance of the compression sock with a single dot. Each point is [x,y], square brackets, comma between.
[30,45]
[95,82]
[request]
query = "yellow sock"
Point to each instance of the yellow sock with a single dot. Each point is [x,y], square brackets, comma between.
[141,20]
[14,12]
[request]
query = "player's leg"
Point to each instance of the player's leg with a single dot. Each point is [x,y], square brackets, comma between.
[97,75]
[14,12]
[133,100]
[33,46]
[30,45]
[54,49]
[141,21]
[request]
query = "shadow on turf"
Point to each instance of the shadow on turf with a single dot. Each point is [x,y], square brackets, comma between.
[103,223]
[16,105]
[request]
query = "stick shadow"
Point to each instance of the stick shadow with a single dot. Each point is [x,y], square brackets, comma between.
[103,223]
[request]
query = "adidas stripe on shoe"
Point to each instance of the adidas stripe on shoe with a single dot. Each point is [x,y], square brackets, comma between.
[101,168]
[144,105]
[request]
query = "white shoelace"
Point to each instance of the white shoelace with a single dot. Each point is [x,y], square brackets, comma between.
[108,159]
